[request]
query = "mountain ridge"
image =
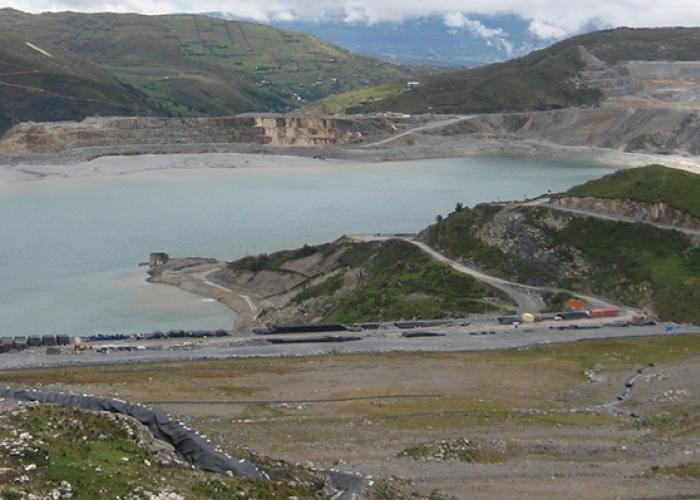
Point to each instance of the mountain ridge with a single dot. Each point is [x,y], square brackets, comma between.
[189,65]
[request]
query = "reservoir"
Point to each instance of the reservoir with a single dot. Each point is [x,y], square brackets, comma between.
[69,248]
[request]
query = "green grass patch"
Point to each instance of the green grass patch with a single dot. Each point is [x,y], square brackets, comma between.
[98,458]
[651,184]
[274,261]
[325,289]
[543,79]
[684,471]
[402,282]
[340,103]
[626,256]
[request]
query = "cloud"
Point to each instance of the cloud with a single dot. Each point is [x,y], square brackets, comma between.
[457,20]
[545,30]
[495,37]
[548,19]
[285,15]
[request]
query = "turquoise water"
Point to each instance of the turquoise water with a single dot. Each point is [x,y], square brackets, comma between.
[69,248]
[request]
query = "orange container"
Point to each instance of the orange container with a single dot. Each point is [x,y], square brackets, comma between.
[610,312]
[574,304]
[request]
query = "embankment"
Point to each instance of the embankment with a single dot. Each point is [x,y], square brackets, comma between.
[52,138]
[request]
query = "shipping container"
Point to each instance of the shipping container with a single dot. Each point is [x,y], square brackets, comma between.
[509,320]
[610,312]
[573,315]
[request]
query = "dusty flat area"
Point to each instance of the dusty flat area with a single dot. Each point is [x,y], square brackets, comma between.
[478,336]
[120,160]
[548,416]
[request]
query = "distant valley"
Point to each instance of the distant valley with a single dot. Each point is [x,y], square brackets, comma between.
[432,40]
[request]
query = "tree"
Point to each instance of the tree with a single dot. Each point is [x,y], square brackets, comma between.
[459,206]
[438,219]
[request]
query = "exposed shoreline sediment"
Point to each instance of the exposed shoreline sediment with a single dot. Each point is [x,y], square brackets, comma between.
[112,161]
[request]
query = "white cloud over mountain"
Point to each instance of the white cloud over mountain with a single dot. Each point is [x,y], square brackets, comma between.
[548,19]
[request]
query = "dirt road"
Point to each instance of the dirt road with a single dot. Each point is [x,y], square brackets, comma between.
[527,297]
[689,231]
[422,128]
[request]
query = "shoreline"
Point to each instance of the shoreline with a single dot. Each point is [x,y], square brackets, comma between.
[114,161]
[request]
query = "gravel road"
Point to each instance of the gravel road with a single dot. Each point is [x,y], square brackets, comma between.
[475,337]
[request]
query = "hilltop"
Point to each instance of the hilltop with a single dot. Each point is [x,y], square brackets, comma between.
[190,65]
[580,71]
[654,184]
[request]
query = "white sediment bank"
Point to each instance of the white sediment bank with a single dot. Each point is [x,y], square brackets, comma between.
[21,170]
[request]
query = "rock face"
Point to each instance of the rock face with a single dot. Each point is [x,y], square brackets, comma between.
[56,137]
[660,213]
[648,130]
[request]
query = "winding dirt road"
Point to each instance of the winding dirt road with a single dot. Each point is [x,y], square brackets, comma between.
[527,297]
[546,202]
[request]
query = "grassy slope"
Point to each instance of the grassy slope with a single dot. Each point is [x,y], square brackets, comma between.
[86,449]
[399,282]
[544,79]
[652,184]
[540,80]
[339,103]
[624,258]
[402,282]
[199,65]
[34,86]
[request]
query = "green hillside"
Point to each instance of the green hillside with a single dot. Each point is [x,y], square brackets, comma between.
[543,79]
[637,264]
[39,81]
[196,65]
[652,184]
[375,281]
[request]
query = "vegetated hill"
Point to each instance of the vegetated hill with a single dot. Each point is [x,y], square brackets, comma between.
[353,282]
[39,81]
[637,264]
[544,79]
[197,65]
[57,452]
[651,184]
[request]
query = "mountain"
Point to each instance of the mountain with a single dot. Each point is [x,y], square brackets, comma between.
[197,65]
[432,40]
[580,71]
[42,82]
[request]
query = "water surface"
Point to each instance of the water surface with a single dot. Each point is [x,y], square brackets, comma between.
[69,248]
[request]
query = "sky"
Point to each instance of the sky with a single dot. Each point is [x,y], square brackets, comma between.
[548,19]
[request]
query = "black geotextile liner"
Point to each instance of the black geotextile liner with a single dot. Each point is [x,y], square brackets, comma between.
[195,448]
[313,340]
[414,335]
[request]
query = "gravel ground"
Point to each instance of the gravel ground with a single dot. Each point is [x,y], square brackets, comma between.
[476,337]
